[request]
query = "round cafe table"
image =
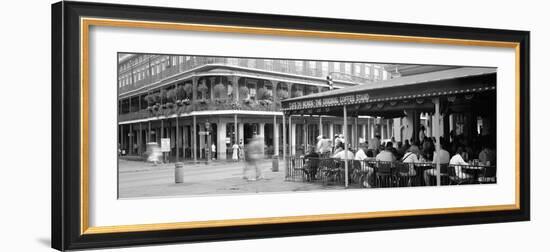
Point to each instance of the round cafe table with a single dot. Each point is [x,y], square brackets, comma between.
[473,170]
[420,168]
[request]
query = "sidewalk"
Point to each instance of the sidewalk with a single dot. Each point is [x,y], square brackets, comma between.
[140,179]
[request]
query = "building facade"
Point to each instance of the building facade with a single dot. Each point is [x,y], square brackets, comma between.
[175,97]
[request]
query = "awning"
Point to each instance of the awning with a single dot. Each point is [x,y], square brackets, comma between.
[392,96]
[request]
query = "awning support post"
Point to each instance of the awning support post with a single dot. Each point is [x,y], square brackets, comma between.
[436,127]
[346,139]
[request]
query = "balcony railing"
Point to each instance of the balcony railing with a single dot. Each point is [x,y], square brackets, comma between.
[201,105]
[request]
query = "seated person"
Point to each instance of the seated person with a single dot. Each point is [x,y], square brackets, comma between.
[385,154]
[311,163]
[458,161]
[487,156]
[369,156]
[360,154]
[341,153]
[411,158]
[444,158]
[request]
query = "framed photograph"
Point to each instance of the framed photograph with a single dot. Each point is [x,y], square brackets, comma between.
[182,125]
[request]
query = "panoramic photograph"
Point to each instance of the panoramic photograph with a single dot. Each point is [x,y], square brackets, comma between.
[192,125]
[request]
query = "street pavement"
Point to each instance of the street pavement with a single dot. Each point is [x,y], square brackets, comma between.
[142,179]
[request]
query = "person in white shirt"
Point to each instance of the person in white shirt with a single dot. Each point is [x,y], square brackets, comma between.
[343,154]
[361,155]
[457,161]
[214,151]
[411,157]
[323,145]
[444,158]
[386,155]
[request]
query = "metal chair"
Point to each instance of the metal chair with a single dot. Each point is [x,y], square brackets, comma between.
[457,176]
[489,175]
[384,174]
[402,173]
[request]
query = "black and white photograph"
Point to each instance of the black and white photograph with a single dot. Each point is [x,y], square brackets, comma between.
[195,125]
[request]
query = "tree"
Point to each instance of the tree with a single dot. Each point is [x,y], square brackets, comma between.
[163,97]
[203,89]
[220,92]
[171,97]
[243,93]
[263,94]
[188,88]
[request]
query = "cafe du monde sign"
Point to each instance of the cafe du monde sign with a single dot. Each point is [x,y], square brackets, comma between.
[329,101]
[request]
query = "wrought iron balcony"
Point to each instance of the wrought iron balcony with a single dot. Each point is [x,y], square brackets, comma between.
[169,109]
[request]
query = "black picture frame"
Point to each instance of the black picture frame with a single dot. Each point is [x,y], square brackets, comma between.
[66,133]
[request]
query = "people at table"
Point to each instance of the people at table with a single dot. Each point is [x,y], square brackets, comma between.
[411,157]
[409,151]
[487,156]
[323,145]
[342,153]
[443,156]
[311,163]
[369,171]
[361,152]
[386,154]
[457,161]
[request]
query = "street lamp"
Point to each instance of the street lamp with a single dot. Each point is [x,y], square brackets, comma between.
[208,151]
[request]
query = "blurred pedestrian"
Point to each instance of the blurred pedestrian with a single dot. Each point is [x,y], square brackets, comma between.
[235,148]
[153,153]
[253,155]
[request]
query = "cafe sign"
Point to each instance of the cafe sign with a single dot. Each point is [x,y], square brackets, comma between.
[329,101]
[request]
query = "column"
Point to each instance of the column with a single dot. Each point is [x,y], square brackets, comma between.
[355,136]
[284,138]
[130,141]
[177,139]
[241,132]
[331,131]
[148,131]
[202,142]
[194,134]
[221,146]
[236,88]
[388,128]
[121,137]
[346,141]
[364,131]
[291,140]
[371,128]
[140,140]
[184,140]
[261,133]
[235,130]
[437,141]
[305,135]
[275,136]
[320,125]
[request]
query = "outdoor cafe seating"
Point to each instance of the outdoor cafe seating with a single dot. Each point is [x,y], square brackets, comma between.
[331,171]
